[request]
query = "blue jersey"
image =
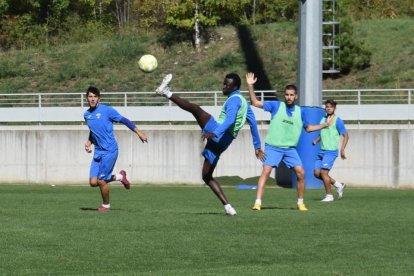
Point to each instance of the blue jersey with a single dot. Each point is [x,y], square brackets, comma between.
[340,126]
[100,122]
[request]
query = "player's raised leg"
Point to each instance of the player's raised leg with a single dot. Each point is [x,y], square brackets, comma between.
[201,116]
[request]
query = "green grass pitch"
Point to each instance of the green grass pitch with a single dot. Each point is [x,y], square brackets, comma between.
[181,230]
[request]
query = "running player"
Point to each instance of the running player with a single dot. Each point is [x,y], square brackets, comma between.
[100,118]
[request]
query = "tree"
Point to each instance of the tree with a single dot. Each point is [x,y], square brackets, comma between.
[184,15]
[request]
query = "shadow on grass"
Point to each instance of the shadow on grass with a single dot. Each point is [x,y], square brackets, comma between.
[277,208]
[210,213]
[88,209]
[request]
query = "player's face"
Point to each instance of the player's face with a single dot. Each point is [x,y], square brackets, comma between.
[228,86]
[290,97]
[93,100]
[329,109]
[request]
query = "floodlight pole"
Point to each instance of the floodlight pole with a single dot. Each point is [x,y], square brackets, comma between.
[310,53]
[310,84]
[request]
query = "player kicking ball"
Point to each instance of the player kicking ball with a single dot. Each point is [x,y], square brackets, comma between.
[221,133]
[100,118]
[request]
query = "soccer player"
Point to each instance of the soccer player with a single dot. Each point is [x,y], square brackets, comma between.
[100,118]
[282,138]
[329,139]
[219,134]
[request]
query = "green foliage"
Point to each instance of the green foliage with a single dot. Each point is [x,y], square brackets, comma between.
[110,61]
[276,10]
[368,9]
[22,33]
[227,60]
[78,30]
[352,53]
[4,5]
[211,13]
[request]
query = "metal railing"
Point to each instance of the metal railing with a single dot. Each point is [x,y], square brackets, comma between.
[204,98]
[385,105]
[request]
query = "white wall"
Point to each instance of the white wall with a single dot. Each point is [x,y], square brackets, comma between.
[378,156]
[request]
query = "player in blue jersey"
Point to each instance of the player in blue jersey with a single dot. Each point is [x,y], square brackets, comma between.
[219,134]
[100,119]
[286,124]
[329,138]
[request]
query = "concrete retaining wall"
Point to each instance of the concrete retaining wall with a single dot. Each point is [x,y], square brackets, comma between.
[378,156]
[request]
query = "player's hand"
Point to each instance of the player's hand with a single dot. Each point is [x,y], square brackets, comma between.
[330,120]
[88,146]
[343,156]
[250,79]
[208,135]
[142,136]
[260,155]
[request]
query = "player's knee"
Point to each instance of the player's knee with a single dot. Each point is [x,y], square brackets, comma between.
[102,183]
[93,182]
[206,178]
[317,174]
[300,173]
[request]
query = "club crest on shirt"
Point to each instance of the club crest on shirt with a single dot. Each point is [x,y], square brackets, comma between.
[98,115]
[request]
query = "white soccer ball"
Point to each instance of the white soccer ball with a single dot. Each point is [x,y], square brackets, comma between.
[148,63]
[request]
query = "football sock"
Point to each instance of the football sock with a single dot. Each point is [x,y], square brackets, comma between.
[300,200]
[168,94]
[118,177]
[337,184]
[258,201]
[106,205]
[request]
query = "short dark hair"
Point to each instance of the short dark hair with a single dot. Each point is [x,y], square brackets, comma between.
[236,79]
[93,90]
[291,87]
[330,101]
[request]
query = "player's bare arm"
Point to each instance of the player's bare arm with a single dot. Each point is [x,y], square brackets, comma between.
[88,144]
[141,135]
[260,154]
[328,123]
[344,143]
[251,80]
[317,139]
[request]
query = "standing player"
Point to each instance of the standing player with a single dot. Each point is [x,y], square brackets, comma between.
[282,138]
[329,138]
[219,134]
[100,119]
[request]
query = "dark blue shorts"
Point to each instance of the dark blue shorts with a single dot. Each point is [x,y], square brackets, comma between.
[274,155]
[216,146]
[102,164]
[325,159]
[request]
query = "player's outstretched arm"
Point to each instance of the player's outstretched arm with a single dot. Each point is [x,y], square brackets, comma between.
[251,120]
[328,123]
[142,136]
[251,80]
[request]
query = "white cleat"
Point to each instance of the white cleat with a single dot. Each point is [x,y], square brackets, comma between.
[164,89]
[328,198]
[230,210]
[340,190]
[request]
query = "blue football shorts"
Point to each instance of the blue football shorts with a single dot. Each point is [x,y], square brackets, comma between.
[216,146]
[275,155]
[325,159]
[102,164]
